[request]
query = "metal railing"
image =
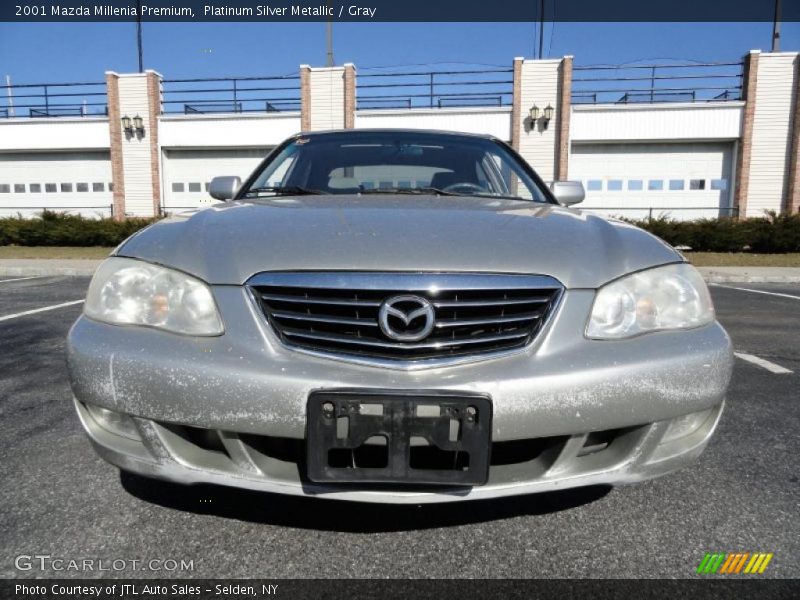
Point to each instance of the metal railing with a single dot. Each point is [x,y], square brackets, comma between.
[231,95]
[435,89]
[53,100]
[687,82]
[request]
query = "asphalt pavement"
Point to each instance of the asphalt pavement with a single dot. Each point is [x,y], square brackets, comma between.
[57,498]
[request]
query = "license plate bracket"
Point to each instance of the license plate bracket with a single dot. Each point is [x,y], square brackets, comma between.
[422,438]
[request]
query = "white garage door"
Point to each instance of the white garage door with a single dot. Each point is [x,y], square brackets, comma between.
[684,181]
[73,182]
[187,173]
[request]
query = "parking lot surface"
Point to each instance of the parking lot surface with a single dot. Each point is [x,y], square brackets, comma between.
[58,498]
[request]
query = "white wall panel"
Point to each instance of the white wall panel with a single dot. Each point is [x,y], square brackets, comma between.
[489,121]
[539,86]
[327,98]
[771,132]
[62,133]
[697,121]
[227,131]
[135,150]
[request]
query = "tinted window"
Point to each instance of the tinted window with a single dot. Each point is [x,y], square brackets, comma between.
[50,188]
[697,184]
[655,185]
[719,184]
[676,184]
[5,188]
[177,187]
[594,185]
[400,161]
[19,188]
[66,187]
[194,187]
[635,185]
[98,187]
[614,185]
[81,187]
[35,188]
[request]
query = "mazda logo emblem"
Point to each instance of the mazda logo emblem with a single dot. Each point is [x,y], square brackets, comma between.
[406,318]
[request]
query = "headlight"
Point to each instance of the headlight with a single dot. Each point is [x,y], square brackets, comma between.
[131,292]
[671,297]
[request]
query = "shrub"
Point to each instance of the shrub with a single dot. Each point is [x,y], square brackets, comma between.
[60,229]
[770,234]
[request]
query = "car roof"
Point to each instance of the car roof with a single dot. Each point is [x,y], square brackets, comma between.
[396,130]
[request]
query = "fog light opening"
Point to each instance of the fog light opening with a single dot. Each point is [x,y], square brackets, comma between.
[115,422]
[685,425]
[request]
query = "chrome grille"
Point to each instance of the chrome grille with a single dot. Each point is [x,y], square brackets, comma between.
[337,313]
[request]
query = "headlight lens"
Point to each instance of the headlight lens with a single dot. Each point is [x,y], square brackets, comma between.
[131,292]
[671,297]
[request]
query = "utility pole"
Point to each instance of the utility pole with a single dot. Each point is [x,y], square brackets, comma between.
[329,36]
[776,28]
[541,28]
[139,33]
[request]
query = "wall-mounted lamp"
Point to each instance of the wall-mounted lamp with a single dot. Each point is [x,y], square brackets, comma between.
[138,124]
[127,125]
[548,114]
[534,113]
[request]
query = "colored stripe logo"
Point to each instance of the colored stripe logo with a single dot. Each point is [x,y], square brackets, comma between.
[734,563]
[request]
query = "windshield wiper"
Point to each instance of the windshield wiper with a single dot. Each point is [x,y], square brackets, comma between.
[288,190]
[415,191]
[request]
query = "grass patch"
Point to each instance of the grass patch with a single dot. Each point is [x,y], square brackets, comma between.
[55,252]
[742,259]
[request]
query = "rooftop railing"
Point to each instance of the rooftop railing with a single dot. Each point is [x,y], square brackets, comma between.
[435,89]
[687,82]
[39,100]
[231,95]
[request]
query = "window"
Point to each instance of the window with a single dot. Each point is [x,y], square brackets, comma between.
[207,185]
[635,185]
[697,184]
[110,187]
[195,187]
[19,188]
[614,185]
[50,188]
[5,188]
[177,187]
[81,187]
[66,187]
[676,184]
[719,184]
[594,185]
[35,188]
[655,185]
[98,187]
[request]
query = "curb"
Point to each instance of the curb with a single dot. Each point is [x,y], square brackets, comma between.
[46,271]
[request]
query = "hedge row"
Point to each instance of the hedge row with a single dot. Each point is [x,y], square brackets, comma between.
[59,229]
[770,234]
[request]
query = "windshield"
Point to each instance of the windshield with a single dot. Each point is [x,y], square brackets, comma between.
[395,162]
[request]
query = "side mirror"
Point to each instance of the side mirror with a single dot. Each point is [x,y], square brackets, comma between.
[224,188]
[568,192]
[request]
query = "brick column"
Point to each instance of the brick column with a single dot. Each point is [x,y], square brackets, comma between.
[749,81]
[154,107]
[516,103]
[305,98]
[792,199]
[563,115]
[115,139]
[538,84]
[349,95]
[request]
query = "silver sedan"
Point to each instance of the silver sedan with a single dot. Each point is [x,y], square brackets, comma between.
[397,316]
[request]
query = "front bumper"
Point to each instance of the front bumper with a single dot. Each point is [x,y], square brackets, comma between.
[550,403]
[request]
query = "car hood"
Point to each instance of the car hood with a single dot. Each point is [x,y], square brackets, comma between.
[230,242]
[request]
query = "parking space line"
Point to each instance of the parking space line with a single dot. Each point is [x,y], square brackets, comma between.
[38,310]
[23,278]
[765,364]
[741,289]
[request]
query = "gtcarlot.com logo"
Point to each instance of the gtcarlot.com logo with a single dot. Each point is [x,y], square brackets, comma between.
[46,562]
[734,563]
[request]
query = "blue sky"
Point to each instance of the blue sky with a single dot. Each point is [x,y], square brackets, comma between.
[60,52]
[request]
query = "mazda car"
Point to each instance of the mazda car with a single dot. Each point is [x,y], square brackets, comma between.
[397,316]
